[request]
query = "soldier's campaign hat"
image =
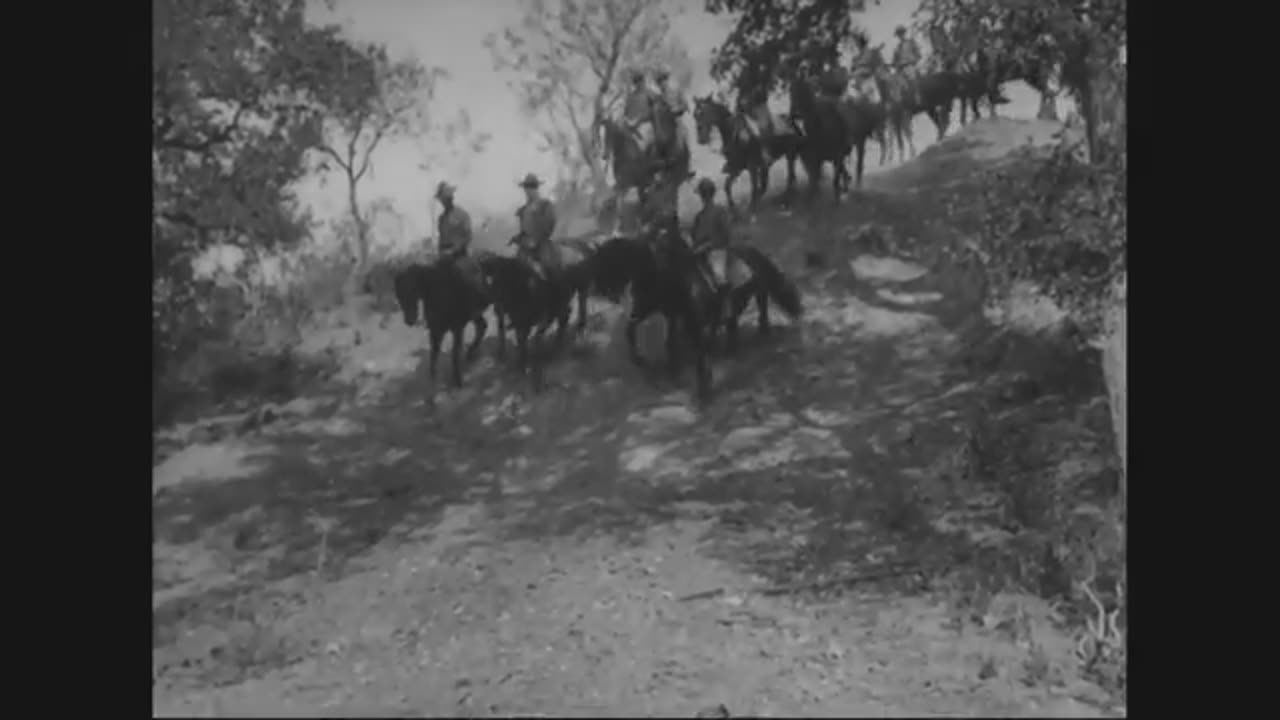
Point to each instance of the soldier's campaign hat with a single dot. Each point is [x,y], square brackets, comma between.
[706,186]
[530,180]
[444,189]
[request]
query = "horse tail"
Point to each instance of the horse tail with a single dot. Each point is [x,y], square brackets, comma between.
[781,289]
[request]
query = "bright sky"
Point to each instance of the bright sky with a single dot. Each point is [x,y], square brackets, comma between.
[450,34]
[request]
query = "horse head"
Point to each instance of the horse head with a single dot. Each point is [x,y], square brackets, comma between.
[410,291]
[616,264]
[706,115]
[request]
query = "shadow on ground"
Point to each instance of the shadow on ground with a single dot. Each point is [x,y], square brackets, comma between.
[891,436]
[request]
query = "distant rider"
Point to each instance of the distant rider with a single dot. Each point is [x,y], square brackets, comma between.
[674,103]
[906,56]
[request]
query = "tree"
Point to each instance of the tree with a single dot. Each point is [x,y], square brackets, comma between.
[377,98]
[239,92]
[776,40]
[1083,39]
[569,56]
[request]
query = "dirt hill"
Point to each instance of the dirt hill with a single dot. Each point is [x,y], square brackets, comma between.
[832,536]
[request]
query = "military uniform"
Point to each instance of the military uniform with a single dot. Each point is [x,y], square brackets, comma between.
[637,112]
[674,103]
[710,232]
[906,57]
[537,221]
[453,228]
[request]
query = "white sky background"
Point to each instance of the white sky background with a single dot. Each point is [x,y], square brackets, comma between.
[450,34]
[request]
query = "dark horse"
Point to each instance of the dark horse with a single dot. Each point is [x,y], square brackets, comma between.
[833,128]
[752,275]
[633,167]
[528,302]
[663,277]
[743,149]
[992,69]
[576,259]
[448,303]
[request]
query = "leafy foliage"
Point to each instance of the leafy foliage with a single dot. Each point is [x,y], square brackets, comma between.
[381,98]
[241,91]
[1081,39]
[570,57]
[774,40]
[1060,222]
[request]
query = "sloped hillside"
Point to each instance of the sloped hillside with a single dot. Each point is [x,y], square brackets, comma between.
[886,511]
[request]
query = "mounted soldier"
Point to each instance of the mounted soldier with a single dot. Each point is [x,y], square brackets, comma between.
[638,112]
[906,56]
[673,106]
[710,233]
[906,63]
[761,124]
[537,221]
[453,229]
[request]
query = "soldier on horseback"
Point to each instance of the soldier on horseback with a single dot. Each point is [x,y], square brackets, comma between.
[537,221]
[453,228]
[673,103]
[710,232]
[906,56]
[638,111]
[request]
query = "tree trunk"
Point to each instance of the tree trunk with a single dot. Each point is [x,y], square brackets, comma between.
[1114,348]
[361,249]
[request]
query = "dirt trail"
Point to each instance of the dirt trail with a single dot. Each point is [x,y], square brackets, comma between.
[499,553]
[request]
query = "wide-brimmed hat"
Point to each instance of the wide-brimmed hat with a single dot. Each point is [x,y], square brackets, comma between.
[444,189]
[706,185]
[900,30]
[530,180]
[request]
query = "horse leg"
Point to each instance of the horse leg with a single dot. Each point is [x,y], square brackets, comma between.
[673,347]
[791,178]
[763,327]
[456,353]
[482,327]
[562,321]
[436,337]
[861,149]
[632,323]
[729,179]
[582,308]
[522,346]
[502,333]
[693,328]
[731,327]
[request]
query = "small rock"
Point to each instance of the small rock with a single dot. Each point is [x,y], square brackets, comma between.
[742,439]
[672,415]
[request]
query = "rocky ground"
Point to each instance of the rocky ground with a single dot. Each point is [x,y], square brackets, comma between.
[820,540]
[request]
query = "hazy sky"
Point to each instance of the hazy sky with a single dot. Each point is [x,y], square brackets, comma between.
[449,33]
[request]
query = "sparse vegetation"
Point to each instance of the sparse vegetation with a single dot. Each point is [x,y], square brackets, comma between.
[965,491]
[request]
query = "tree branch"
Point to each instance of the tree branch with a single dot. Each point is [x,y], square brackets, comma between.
[203,146]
